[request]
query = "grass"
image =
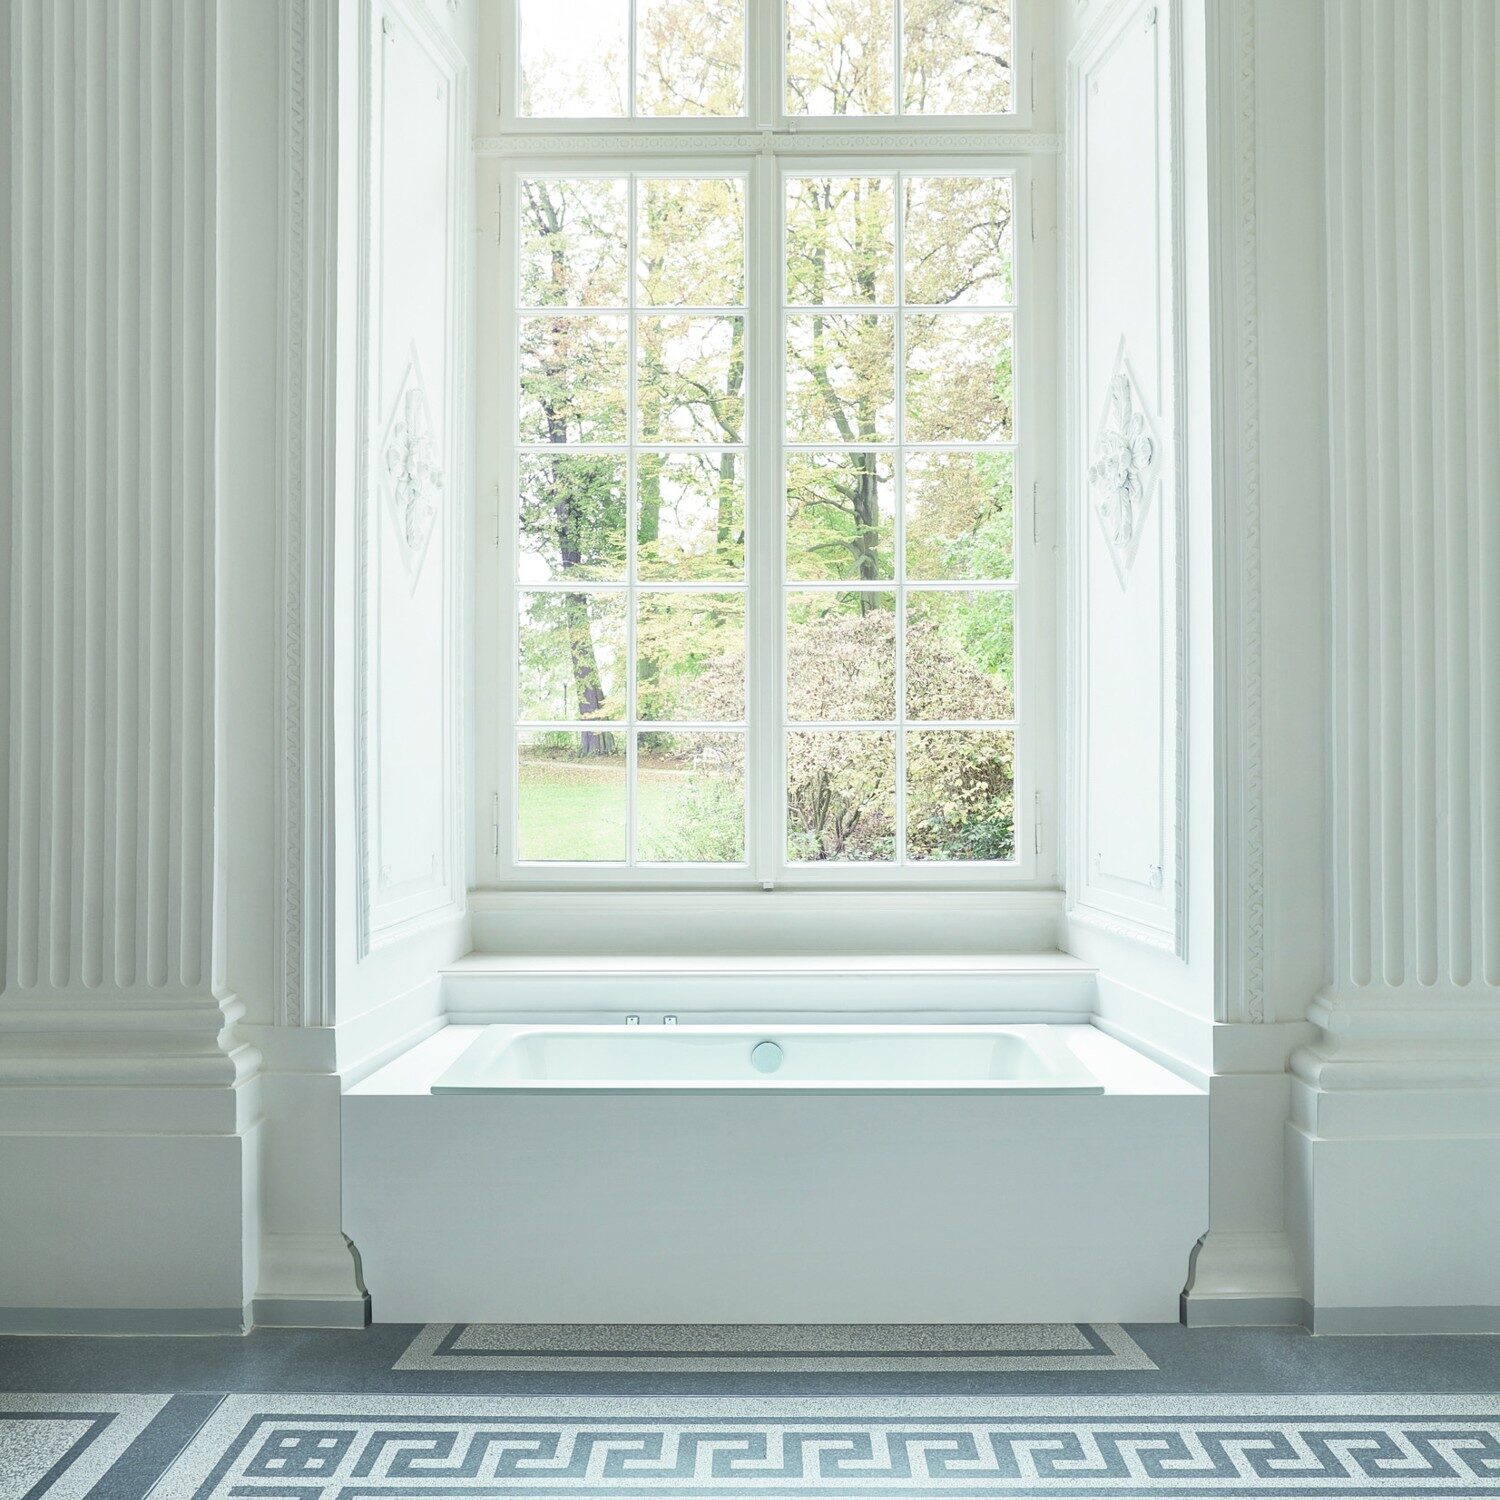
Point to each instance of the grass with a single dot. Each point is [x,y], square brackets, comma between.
[576,811]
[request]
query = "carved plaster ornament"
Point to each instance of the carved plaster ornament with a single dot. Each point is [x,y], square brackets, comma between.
[414,478]
[1125,462]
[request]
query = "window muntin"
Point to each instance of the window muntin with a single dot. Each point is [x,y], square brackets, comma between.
[959,482]
[631,473]
[686,61]
[669,59]
[908,57]
[899,461]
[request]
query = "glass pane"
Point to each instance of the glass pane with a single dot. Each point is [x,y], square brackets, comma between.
[957,243]
[573,241]
[956,57]
[572,517]
[572,656]
[573,379]
[840,378]
[960,515]
[839,57]
[960,794]
[690,516]
[574,57]
[840,516]
[840,795]
[840,240]
[690,57]
[692,241]
[690,379]
[958,378]
[690,798]
[690,657]
[960,654]
[840,656]
[571,796]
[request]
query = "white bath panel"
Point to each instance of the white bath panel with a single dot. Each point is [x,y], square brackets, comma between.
[886,1206]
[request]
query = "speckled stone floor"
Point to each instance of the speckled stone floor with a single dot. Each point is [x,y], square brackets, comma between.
[454,1411]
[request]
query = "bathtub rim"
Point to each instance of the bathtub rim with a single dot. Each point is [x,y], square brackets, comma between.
[1049,1041]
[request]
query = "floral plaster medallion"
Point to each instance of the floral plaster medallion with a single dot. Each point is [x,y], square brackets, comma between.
[413,477]
[1124,467]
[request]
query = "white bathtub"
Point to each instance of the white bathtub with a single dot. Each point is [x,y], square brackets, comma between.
[778,1059]
[993,1173]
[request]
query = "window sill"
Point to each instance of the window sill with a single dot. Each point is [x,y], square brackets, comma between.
[704,922]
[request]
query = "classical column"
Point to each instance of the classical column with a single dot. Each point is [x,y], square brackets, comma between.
[127,1111]
[1396,1110]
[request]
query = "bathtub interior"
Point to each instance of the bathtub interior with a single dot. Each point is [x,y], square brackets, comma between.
[772,1059]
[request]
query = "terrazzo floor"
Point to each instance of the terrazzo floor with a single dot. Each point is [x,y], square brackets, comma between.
[451,1411]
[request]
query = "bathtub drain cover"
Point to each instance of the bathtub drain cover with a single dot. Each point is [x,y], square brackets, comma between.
[765,1057]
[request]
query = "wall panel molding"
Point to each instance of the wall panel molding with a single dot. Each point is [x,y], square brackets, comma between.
[1415,372]
[309,206]
[1232,191]
[110,868]
[1126,458]
[1396,1100]
[409,720]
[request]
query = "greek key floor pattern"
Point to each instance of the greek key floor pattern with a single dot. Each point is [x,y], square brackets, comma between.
[358,1448]
[477,1412]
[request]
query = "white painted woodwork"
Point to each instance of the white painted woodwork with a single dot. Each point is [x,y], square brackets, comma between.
[1414,370]
[1128,661]
[1396,1103]
[307,441]
[110,579]
[128,1107]
[417,340]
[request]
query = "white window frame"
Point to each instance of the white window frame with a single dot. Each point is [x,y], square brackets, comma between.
[650,147]
[765,86]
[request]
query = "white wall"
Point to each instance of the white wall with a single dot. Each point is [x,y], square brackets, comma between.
[376,254]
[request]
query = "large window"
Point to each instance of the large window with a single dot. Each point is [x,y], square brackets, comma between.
[768,606]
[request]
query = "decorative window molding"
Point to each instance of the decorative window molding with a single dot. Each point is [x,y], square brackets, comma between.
[1126,459]
[413,476]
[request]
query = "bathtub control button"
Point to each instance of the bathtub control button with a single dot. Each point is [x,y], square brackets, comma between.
[765,1057]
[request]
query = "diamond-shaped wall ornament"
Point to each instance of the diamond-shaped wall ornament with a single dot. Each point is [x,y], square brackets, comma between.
[1124,467]
[413,476]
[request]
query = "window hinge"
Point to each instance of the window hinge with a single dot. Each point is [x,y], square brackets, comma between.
[497,514]
[1036,824]
[1036,525]
[495,820]
[499,220]
[388,27]
[1031,69]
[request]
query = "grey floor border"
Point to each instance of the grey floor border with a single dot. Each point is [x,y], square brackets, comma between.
[123,1320]
[1120,1353]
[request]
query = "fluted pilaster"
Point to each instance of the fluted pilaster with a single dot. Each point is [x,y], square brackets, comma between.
[1413,160]
[109,620]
